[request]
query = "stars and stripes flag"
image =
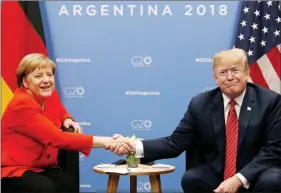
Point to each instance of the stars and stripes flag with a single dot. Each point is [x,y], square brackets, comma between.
[259,35]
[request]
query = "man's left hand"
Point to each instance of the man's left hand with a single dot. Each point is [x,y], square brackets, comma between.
[231,185]
[70,123]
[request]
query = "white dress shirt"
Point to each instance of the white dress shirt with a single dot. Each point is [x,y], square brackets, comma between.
[238,100]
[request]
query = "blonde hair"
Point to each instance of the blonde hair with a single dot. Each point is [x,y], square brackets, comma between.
[31,62]
[234,56]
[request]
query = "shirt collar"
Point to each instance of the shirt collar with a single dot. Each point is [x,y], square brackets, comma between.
[238,99]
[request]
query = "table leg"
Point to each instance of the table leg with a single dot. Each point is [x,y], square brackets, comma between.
[155,182]
[133,184]
[112,183]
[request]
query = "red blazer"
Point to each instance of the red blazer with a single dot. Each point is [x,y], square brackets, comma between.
[31,136]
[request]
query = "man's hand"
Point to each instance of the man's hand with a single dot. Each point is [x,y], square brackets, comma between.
[122,145]
[231,185]
[70,123]
[119,137]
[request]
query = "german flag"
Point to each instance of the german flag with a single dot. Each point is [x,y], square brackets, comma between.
[22,34]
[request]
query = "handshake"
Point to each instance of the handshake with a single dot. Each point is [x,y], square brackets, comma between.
[121,145]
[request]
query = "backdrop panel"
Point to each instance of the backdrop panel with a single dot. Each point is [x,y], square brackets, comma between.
[132,68]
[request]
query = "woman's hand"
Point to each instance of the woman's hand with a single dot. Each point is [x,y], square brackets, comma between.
[70,123]
[121,145]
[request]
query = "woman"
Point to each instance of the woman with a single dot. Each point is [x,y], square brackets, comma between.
[31,134]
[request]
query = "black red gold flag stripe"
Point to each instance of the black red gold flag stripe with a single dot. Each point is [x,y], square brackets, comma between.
[22,33]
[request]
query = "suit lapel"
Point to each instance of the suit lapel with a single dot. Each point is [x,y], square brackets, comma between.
[217,111]
[246,112]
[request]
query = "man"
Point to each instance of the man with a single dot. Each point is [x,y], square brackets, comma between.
[236,129]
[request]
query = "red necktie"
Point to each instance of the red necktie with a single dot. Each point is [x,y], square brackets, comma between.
[231,142]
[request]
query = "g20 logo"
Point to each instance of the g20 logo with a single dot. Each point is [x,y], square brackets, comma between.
[144,187]
[141,61]
[141,124]
[72,91]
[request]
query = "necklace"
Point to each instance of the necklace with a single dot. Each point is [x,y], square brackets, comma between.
[43,106]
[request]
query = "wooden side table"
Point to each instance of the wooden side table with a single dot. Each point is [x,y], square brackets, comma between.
[153,173]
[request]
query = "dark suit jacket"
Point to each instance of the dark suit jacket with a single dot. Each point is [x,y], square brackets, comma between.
[203,124]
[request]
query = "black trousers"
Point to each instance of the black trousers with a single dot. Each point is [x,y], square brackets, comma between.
[204,179]
[52,180]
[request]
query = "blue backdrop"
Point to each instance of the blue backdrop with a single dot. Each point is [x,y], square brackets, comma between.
[132,68]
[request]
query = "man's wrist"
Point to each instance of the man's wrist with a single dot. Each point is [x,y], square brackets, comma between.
[239,182]
[139,149]
[243,180]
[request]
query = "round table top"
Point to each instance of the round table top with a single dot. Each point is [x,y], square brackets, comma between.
[140,170]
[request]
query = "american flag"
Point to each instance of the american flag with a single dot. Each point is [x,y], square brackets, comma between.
[259,35]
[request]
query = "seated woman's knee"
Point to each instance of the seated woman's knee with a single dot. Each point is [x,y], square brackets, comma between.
[44,187]
[68,184]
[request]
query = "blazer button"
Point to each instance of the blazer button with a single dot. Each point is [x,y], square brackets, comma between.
[49,156]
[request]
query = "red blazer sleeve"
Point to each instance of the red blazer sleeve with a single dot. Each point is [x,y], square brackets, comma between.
[28,119]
